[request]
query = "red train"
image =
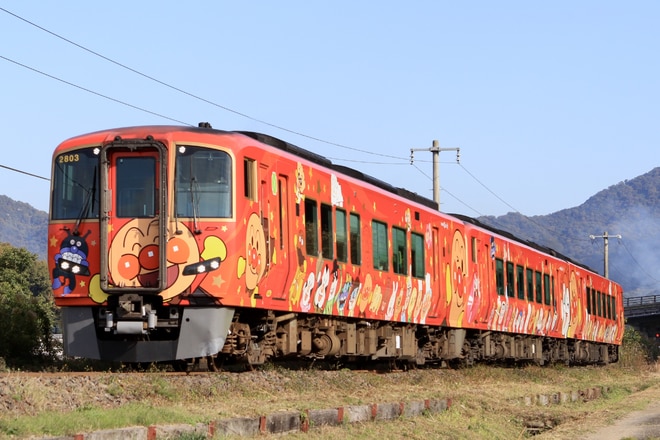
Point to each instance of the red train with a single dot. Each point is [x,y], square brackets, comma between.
[180,243]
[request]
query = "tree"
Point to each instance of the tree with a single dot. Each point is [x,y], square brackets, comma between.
[27,312]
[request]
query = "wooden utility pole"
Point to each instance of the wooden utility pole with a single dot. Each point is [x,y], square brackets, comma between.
[605,238]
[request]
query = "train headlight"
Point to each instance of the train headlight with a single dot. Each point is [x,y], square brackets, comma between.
[202,267]
[72,267]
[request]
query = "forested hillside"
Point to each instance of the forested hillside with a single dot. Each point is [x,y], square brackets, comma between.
[630,208]
[21,225]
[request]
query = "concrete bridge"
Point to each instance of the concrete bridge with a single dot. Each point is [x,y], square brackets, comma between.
[643,313]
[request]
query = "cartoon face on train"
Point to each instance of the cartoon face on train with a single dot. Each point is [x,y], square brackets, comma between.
[255,252]
[134,256]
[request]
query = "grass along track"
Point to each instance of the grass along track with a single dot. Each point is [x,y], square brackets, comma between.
[487,402]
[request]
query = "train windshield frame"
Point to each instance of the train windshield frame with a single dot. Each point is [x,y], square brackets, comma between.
[203,183]
[75,188]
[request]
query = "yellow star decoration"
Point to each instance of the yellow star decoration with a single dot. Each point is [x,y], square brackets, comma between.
[224,228]
[53,241]
[82,284]
[218,281]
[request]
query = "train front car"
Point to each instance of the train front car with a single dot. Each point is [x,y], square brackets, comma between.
[130,251]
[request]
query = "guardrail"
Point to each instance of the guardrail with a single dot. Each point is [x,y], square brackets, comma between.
[641,301]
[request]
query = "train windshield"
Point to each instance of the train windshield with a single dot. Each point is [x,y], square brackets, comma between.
[76,185]
[203,183]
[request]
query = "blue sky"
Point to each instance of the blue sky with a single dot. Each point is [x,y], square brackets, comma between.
[549,102]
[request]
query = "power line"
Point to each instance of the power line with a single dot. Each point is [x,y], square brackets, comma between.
[637,262]
[92,91]
[151,78]
[25,172]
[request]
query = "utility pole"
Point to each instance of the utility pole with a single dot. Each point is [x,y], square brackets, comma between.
[605,238]
[435,149]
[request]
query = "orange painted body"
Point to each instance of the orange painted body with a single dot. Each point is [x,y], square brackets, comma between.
[267,262]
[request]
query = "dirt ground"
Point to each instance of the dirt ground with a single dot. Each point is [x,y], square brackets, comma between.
[644,424]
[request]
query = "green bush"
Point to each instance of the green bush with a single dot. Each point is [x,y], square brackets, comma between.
[27,312]
[636,349]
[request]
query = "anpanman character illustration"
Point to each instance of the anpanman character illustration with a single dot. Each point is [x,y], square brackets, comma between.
[134,256]
[253,265]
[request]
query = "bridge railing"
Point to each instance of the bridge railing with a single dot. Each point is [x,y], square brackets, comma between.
[641,301]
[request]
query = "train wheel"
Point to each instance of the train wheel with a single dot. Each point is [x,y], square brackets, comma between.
[181,366]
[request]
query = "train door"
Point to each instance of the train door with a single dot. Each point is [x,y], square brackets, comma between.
[273,218]
[282,246]
[133,230]
[439,289]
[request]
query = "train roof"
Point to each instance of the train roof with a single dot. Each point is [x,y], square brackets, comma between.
[510,236]
[324,161]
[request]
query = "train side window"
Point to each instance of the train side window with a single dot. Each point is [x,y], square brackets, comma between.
[609,307]
[499,276]
[599,304]
[311,228]
[509,279]
[379,244]
[546,289]
[355,239]
[399,251]
[588,300]
[474,249]
[250,178]
[594,298]
[520,284]
[530,285]
[614,316]
[417,257]
[326,232]
[340,235]
[539,287]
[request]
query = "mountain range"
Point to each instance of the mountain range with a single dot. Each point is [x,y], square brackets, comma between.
[629,209]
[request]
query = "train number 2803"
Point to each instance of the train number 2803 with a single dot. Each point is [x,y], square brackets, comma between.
[68,158]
